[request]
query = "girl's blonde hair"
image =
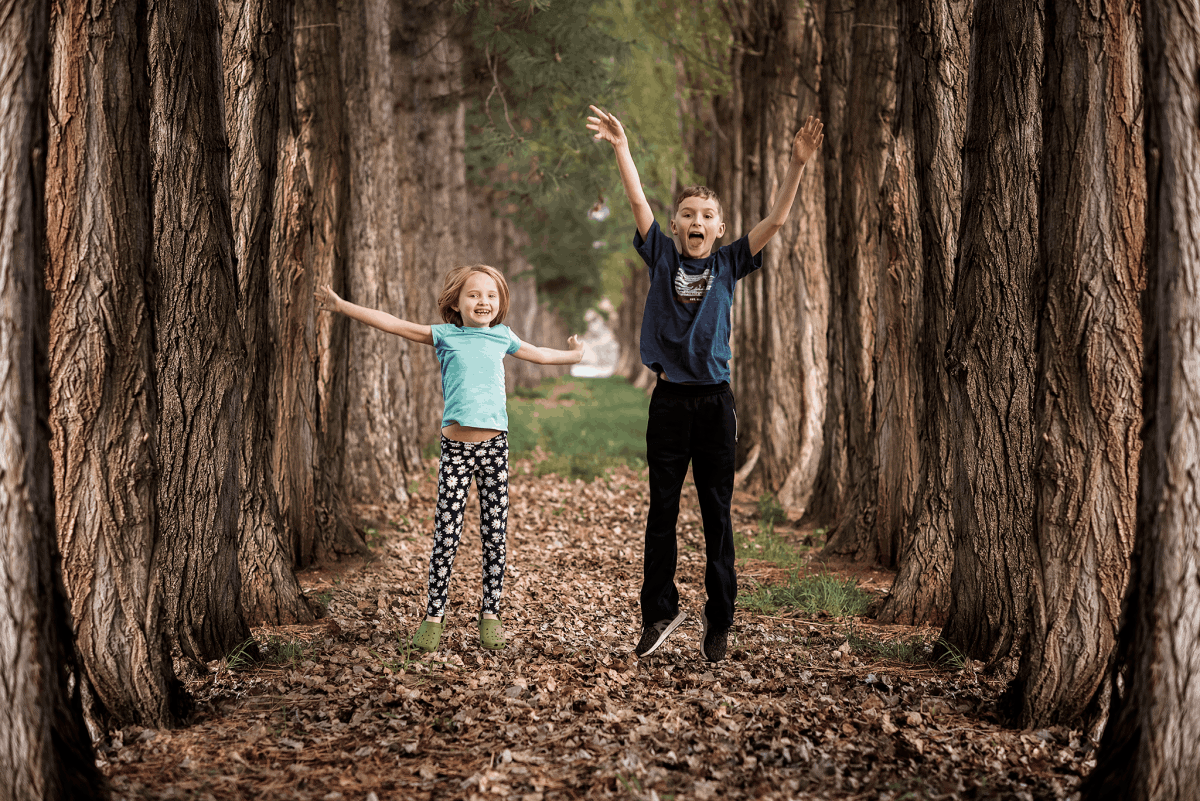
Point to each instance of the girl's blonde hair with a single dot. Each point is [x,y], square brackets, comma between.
[456,278]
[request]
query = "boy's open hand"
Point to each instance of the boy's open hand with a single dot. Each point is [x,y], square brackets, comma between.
[807,140]
[607,127]
[327,299]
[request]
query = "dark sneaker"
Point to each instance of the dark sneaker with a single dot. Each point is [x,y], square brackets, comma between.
[713,641]
[656,634]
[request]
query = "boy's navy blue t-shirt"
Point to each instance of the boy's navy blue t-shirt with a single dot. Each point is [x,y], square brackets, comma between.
[685,330]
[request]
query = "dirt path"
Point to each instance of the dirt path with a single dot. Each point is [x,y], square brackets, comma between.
[566,711]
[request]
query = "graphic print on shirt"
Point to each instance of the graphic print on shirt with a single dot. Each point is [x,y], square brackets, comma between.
[692,288]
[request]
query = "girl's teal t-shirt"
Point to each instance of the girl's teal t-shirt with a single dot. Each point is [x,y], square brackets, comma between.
[472,362]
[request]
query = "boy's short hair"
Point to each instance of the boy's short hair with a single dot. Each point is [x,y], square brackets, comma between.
[452,288]
[702,192]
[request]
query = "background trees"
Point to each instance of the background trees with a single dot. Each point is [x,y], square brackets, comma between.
[940,362]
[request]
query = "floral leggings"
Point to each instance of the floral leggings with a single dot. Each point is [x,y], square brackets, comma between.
[488,462]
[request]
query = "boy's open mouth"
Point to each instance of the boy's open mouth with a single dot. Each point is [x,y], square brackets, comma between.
[693,237]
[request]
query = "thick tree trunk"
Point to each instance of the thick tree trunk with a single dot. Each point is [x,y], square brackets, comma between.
[992,356]
[1088,409]
[199,356]
[897,334]
[1151,747]
[253,36]
[383,433]
[427,60]
[307,242]
[104,404]
[45,752]
[833,470]
[781,366]
[871,109]
[935,48]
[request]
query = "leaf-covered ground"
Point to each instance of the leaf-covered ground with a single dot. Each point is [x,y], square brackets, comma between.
[344,711]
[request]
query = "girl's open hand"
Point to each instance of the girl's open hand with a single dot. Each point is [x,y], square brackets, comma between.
[807,140]
[327,299]
[607,127]
[574,343]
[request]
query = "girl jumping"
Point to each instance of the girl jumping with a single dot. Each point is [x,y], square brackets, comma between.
[471,346]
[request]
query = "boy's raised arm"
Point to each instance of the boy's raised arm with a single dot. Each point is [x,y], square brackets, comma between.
[609,129]
[328,300]
[807,140]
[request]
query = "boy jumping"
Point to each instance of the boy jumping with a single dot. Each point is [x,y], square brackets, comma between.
[685,341]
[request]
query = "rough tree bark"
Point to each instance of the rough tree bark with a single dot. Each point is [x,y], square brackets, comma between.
[45,752]
[382,432]
[781,319]
[992,357]
[627,326]
[253,38]
[1088,413]
[934,52]
[1151,747]
[199,354]
[104,403]
[307,247]
[833,470]
[871,109]
[427,60]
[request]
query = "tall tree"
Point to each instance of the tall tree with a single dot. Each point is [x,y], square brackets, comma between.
[254,34]
[1151,747]
[45,752]
[781,312]
[992,358]
[934,53]
[200,352]
[833,472]
[1088,405]
[870,115]
[307,249]
[104,402]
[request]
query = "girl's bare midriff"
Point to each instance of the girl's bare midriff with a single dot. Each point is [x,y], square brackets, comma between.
[468,433]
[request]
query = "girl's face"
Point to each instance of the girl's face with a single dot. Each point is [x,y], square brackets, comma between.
[479,301]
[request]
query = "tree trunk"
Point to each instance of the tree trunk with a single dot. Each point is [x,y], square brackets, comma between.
[934,50]
[833,470]
[104,403]
[307,243]
[252,45]
[992,355]
[45,752]
[1151,747]
[1088,409]
[383,433]
[781,365]
[427,60]
[871,109]
[199,356]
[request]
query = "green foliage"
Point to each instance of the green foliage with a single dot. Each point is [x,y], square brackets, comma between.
[913,650]
[279,651]
[242,656]
[602,424]
[811,594]
[770,510]
[535,67]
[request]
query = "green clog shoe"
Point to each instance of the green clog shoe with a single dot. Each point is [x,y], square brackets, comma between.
[491,635]
[428,635]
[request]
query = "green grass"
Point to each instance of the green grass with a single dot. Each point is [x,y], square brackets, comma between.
[770,510]
[604,427]
[812,594]
[768,546]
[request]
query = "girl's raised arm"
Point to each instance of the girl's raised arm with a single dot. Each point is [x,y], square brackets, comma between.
[328,300]
[532,353]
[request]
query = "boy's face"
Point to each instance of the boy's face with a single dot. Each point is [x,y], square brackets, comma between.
[697,226]
[478,301]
